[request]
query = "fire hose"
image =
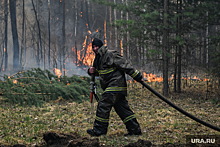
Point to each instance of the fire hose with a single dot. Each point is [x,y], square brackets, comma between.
[178,108]
[93,92]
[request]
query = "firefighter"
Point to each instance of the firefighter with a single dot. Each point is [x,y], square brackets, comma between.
[111,67]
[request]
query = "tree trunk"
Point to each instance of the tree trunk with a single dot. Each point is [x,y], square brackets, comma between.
[116,35]
[204,49]
[87,15]
[39,31]
[49,33]
[22,38]
[76,19]
[6,34]
[179,51]
[12,5]
[165,56]
[110,21]
[64,34]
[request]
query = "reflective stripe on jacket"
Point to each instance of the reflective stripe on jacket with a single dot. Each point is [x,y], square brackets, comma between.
[111,70]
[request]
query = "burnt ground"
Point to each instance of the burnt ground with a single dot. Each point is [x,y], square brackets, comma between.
[53,139]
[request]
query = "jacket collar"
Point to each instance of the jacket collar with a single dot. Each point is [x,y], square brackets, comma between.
[102,50]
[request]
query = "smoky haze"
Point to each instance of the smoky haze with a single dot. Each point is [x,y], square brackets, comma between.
[66,31]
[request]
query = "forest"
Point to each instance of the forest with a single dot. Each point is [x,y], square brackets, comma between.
[172,39]
[46,50]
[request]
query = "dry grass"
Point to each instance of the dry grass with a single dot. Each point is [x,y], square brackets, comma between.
[160,123]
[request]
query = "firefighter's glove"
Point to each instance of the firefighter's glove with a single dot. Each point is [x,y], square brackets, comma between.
[138,77]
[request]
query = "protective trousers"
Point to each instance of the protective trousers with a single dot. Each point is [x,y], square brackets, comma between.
[120,104]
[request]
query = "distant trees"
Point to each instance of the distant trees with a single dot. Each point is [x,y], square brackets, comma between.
[170,37]
[175,35]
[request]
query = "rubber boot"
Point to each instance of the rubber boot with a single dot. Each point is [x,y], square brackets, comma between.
[99,128]
[133,127]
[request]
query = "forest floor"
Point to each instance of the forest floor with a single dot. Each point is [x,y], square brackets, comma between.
[64,123]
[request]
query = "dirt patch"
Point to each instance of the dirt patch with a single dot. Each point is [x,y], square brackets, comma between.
[53,139]
[69,140]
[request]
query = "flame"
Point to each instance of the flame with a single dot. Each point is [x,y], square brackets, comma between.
[105,33]
[195,78]
[57,72]
[89,56]
[60,0]
[205,79]
[121,48]
[84,43]
[3,69]
[4,49]
[57,18]
[152,77]
[68,84]
[15,81]
[79,57]
[184,78]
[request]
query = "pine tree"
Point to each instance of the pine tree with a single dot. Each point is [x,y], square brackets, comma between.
[184,19]
[35,86]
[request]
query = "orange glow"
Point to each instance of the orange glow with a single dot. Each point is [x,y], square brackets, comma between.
[184,78]
[84,43]
[57,18]
[205,79]
[60,0]
[57,72]
[97,30]
[152,77]
[88,57]
[15,81]
[105,33]
[68,84]
[79,57]
[73,49]
[4,49]
[3,69]
[88,60]
[171,77]
[195,78]
[121,48]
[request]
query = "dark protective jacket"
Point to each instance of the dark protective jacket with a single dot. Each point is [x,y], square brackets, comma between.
[111,69]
